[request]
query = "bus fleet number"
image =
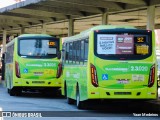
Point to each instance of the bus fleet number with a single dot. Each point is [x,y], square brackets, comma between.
[49,64]
[139,68]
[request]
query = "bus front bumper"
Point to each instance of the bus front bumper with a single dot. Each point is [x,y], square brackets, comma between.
[37,83]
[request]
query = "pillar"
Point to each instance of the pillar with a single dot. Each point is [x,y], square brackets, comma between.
[44,28]
[22,30]
[151,17]
[105,18]
[4,40]
[70,27]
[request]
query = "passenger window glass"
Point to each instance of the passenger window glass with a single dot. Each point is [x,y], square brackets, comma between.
[70,52]
[78,47]
[86,50]
[76,52]
[82,52]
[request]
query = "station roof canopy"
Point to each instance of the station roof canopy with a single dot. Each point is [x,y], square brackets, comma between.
[31,14]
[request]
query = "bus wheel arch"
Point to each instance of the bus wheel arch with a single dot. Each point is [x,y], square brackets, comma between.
[8,90]
[70,101]
[79,104]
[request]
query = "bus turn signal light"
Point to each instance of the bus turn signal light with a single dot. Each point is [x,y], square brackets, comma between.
[151,76]
[94,78]
[18,74]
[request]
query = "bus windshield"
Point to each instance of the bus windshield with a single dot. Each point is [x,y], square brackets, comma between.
[43,48]
[123,45]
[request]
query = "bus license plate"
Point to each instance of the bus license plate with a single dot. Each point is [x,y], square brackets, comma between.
[38,73]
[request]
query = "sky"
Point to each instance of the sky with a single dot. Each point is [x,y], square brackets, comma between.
[4,3]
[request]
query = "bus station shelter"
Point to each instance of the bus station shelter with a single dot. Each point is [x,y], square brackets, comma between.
[69,17]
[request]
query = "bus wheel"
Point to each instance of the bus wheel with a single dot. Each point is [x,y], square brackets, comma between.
[15,91]
[8,90]
[19,92]
[79,103]
[12,92]
[70,101]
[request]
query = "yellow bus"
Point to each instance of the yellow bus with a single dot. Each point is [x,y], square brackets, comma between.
[109,62]
[32,62]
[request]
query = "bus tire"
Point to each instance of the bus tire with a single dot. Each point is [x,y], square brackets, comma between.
[70,101]
[12,92]
[19,92]
[79,103]
[8,90]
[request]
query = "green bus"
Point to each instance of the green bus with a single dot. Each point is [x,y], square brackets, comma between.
[32,62]
[109,62]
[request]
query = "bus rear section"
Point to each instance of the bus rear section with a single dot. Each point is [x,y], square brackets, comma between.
[36,66]
[124,65]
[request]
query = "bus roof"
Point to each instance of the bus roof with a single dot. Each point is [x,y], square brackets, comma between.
[27,36]
[99,27]
[34,35]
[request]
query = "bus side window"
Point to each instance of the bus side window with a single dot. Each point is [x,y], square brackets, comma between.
[78,49]
[9,54]
[63,53]
[70,59]
[86,50]
[82,53]
[74,52]
[67,53]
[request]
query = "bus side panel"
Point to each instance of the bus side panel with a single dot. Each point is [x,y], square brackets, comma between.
[9,75]
[74,76]
[83,82]
[71,81]
[9,64]
[16,81]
